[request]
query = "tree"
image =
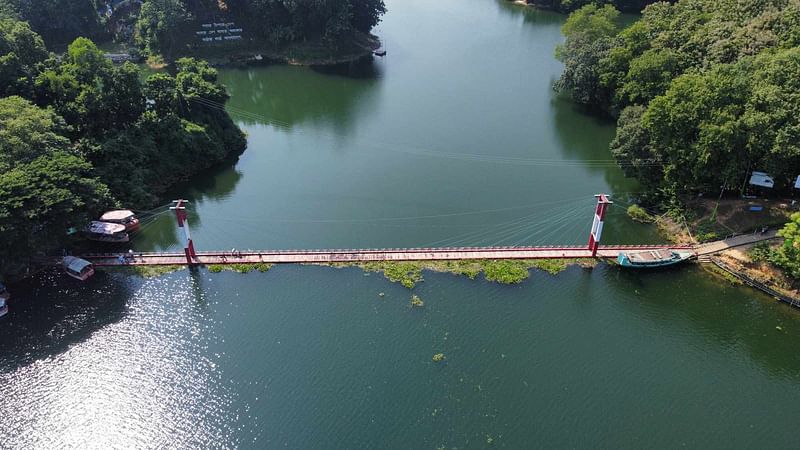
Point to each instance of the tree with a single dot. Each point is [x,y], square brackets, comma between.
[592,23]
[787,256]
[589,33]
[160,25]
[28,133]
[21,52]
[60,21]
[633,148]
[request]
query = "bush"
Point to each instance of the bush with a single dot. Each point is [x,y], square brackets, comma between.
[760,252]
[639,214]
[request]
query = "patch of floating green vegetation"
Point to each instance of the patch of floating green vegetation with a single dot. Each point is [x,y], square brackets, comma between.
[241,268]
[145,271]
[416,302]
[439,357]
[506,271]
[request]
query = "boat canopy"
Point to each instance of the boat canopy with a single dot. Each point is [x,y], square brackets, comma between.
[117,216]
[650,256]
[76,265]
[106,228]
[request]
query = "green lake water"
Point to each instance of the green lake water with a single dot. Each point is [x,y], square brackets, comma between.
[454,138]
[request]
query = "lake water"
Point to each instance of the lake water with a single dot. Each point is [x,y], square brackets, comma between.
[454,138]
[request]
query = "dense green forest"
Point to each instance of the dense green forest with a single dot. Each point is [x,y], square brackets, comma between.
[167,26]
[630,6]
[704,90]
[79,134]
[59,22]
[704,93]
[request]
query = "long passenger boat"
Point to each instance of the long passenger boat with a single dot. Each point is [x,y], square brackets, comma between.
[653,258]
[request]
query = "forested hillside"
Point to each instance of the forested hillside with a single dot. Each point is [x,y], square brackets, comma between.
[59,22]
[78,135]
[168,26]
[631,6]
[704,90]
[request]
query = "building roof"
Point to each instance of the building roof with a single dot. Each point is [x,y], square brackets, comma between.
[762,179]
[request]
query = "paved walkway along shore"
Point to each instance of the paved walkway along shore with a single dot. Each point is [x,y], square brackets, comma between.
[711,248]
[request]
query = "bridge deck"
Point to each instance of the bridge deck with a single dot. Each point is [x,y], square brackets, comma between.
[337,256]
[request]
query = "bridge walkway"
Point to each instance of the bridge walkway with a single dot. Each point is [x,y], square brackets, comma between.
[360,255]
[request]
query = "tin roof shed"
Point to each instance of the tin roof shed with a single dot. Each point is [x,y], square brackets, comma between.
[762,179]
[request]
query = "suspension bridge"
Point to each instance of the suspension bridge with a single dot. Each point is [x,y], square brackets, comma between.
[189,256]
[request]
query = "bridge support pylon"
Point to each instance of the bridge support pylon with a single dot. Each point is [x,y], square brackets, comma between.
[183,224]
[597,225]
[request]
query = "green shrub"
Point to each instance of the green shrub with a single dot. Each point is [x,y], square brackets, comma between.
[639,214]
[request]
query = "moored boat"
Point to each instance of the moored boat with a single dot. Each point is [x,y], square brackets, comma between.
[78,268]
[4,294]
[106,232]
[123,217]
[653,258]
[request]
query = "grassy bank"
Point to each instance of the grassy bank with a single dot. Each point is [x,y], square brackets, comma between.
[705,220]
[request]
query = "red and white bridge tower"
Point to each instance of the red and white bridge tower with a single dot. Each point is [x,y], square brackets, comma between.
[597,225]
[183,224]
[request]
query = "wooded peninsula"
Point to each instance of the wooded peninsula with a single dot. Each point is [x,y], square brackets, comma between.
[705,92]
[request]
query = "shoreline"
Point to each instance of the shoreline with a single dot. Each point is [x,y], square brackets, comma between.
[318,52]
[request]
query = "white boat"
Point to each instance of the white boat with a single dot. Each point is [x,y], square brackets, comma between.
[123,217]
[106,232]
[77,268]
[3,307]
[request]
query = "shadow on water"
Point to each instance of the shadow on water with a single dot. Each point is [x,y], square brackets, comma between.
[214,184]
[286,96]
[51,312]
[733,317]
[586,137]
[530,14]
[362,69]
